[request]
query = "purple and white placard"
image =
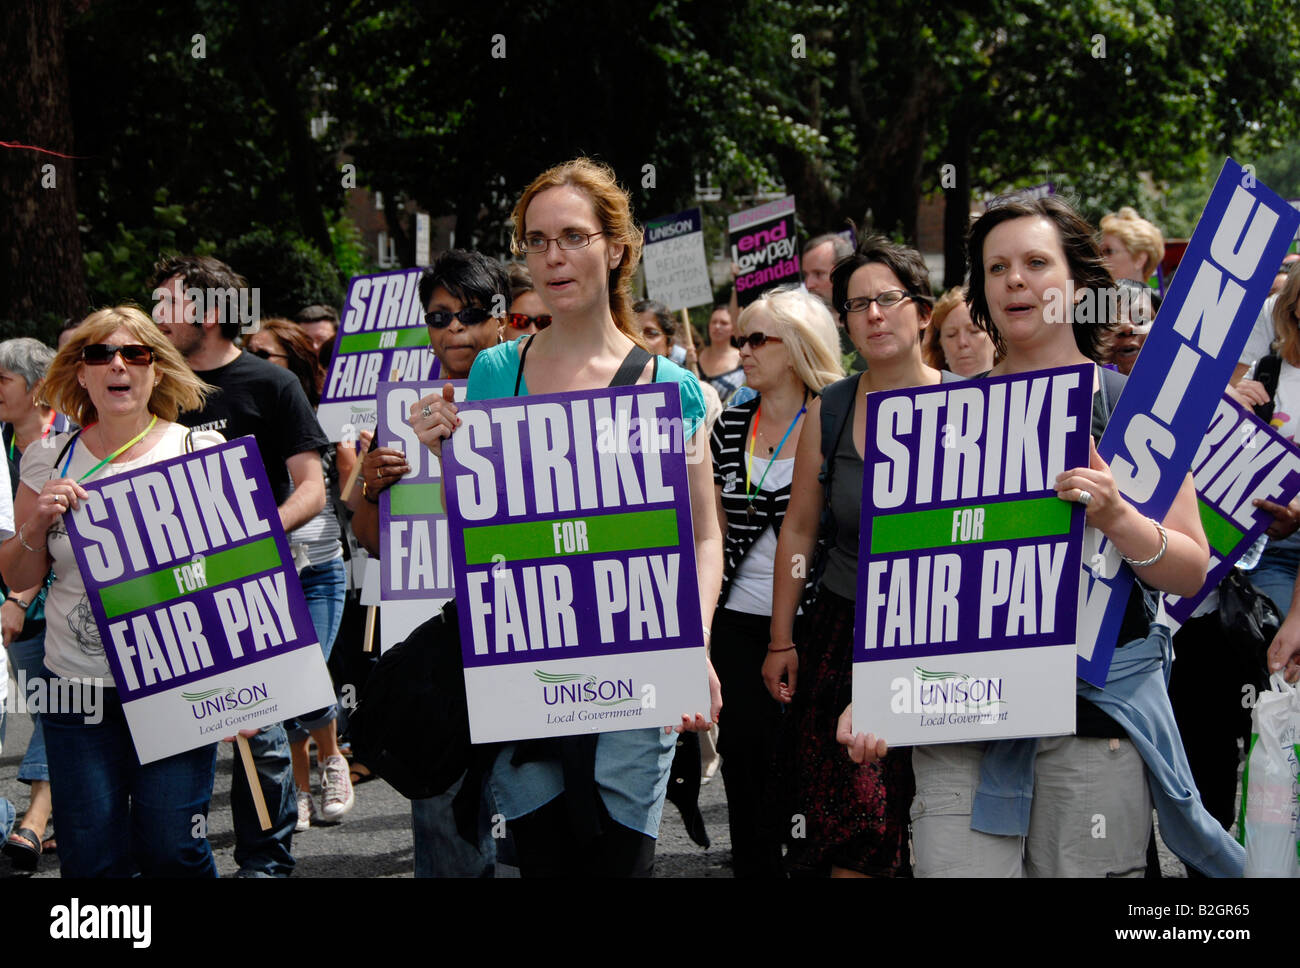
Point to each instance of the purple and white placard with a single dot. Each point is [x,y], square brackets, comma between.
[413,547]
[574,556]
[1240,459]
[381,337]
[966,602]
[193,590]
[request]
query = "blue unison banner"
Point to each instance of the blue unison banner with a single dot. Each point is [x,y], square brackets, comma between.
[1161,418]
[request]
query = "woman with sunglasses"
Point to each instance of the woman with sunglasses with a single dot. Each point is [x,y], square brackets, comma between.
[1028,807]
[124,383]
[457,292]
[856,818]
[528,313]
[575,225]
[789,350]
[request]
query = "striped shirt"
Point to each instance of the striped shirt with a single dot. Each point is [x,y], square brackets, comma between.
[729,459]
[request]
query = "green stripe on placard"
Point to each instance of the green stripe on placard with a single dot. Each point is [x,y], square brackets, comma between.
[605,533]
[158,587]
[408,499]
[1221,533]
[1040,517]
[385,339]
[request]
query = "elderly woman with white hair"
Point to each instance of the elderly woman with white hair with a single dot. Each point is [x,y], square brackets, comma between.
[27,423]
[789,350]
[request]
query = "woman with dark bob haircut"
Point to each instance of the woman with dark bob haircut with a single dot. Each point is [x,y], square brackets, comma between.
[1081,254]
[1027,807]
[856,818]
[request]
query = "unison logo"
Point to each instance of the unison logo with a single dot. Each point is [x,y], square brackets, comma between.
[225,699]
[949,694]
[669,230]
[577,687]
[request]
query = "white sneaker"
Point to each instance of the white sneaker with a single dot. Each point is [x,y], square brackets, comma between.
[306,812]
[336,788]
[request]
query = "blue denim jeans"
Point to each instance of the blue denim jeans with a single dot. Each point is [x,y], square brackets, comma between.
[258,852]
[27,657]
[7,817]
[439,849]
[117,817]
[325,587]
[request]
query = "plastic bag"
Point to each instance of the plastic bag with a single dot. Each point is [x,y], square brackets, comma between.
[1270,794]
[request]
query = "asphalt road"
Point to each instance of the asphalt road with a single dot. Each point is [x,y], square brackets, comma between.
[374,840]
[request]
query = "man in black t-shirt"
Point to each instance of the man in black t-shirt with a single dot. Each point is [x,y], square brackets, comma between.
[258,398]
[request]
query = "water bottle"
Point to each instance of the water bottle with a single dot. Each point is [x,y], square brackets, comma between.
[1250,559]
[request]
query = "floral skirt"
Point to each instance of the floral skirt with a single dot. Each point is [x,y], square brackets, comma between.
[855,817]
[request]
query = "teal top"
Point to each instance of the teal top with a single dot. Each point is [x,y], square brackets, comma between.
[632,766]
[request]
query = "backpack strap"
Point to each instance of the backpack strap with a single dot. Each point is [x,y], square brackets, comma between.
[837,404]
[1112,385]
[628,372]
[523,353]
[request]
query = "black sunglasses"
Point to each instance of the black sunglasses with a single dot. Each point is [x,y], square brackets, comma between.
[101,354]
[755,340]
[523,321]
[267,354]
[470,316]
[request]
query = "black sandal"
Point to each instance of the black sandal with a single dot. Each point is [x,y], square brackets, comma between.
[24,848]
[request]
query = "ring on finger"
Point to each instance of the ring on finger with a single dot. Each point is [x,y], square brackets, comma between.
[427,411]
[1085,497]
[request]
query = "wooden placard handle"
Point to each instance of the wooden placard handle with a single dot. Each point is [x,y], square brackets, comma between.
[250,770]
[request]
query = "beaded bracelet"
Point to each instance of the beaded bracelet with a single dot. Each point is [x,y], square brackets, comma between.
[1164,544]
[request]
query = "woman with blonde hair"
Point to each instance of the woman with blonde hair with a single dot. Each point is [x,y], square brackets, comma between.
[789,350]
[1131,246]
[124,383]
[587,804]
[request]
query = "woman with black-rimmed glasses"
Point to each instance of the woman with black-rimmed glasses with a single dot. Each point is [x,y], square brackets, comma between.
[854,818]
[588,805]
[789,350]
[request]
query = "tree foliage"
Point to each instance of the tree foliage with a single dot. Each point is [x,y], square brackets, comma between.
[194,119]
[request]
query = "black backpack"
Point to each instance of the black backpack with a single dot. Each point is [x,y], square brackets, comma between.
[411,725]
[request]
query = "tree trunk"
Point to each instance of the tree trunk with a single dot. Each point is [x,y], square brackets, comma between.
[41,269]
[956,207]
